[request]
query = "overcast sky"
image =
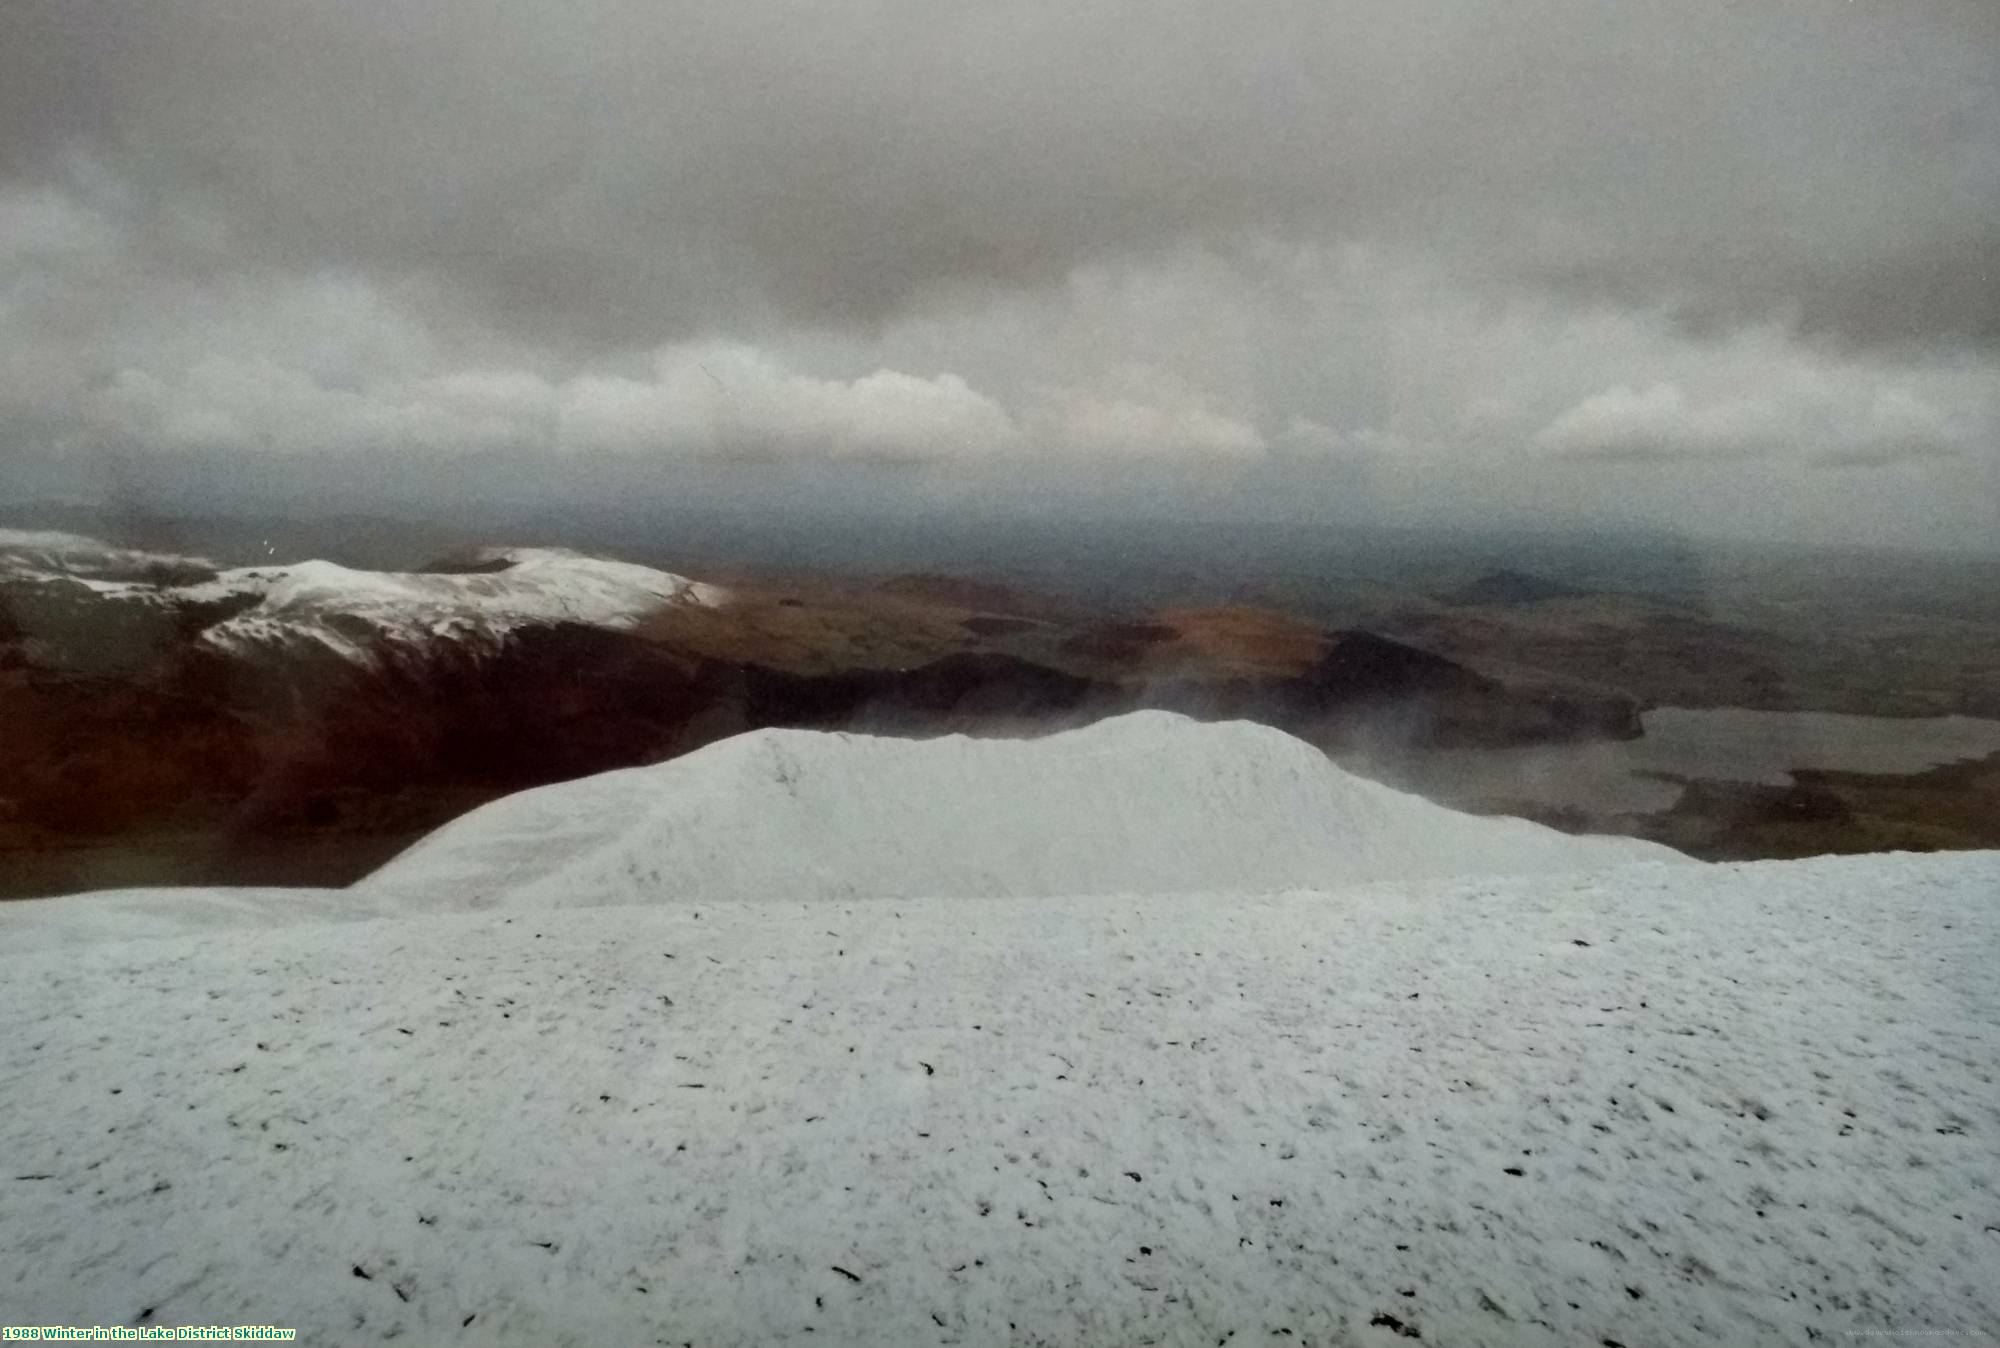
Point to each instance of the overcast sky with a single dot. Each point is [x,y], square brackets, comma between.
[1708,263]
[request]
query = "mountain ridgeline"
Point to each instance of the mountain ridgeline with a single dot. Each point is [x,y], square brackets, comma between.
[225,723]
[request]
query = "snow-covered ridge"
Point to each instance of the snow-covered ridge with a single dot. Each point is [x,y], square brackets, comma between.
[1147,803]
[48,554]
[531,585]
[346,610]
[1151,803]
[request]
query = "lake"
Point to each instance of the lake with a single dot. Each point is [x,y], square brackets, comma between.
[1714,743]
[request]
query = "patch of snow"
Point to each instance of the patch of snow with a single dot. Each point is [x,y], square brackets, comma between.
[48,554]
[103,589]
[50,541]
[1669,1105]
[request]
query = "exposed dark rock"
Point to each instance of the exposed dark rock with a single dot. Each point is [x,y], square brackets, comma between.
[955,693]
[467,566]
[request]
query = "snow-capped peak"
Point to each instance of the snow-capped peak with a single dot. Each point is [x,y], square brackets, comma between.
[1150,802]
[347,610]
[500,590]
[44,554]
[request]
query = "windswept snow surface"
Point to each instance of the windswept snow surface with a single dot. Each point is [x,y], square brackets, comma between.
[1655,1105]
[1150,802]
[57,926]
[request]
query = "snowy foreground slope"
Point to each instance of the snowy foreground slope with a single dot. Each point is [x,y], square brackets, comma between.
[1745,1104]
[1640,1104]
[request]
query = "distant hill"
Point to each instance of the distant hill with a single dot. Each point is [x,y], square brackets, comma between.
[976,595]
[1512,587]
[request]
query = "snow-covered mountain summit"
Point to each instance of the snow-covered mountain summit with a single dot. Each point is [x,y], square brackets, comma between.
[1146,803]
[323,605]
[502,589]
[1150,803]
[52,554]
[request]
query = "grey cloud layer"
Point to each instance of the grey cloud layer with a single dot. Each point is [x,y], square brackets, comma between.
[635,171]
[1516,244]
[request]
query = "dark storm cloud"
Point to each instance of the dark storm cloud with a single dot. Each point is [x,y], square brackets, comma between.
[616,174]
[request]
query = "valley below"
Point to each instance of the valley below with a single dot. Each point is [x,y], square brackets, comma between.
[1730,784]
[177,721]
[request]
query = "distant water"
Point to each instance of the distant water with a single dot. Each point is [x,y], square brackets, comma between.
[1716,744]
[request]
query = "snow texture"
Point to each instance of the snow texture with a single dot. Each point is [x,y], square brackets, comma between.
[1659,1105]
